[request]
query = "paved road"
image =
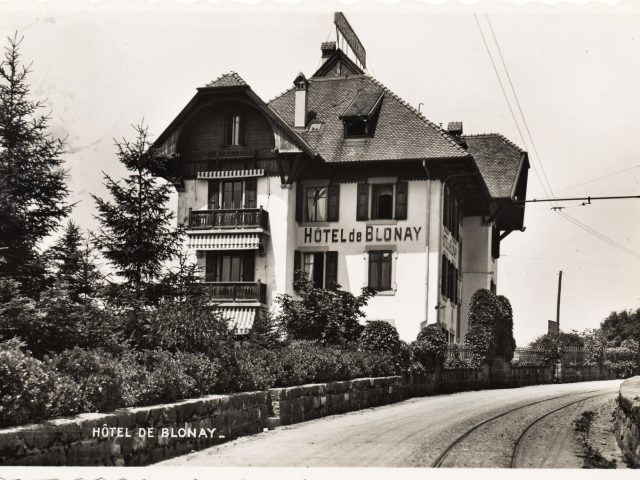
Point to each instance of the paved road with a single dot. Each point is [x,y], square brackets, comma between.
[523,427]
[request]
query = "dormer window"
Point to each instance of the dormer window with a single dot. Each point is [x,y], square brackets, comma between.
[361,114]
[356,127]
[233,131]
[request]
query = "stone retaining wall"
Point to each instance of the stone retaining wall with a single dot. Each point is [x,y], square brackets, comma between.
[299,404]
[74,441]
[627,424]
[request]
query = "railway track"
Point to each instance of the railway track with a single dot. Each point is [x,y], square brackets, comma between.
[518,447]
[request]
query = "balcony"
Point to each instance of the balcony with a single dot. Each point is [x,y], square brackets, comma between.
[237,292]
[229,219]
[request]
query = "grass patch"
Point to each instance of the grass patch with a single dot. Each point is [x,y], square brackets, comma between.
[591,456]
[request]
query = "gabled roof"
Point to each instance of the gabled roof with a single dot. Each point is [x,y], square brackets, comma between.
[499,160]
[231,79]
[401,133]
[365,102]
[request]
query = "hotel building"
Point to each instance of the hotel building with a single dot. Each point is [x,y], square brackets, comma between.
[342,179]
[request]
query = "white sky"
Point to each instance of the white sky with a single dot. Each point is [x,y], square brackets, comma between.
[576,73]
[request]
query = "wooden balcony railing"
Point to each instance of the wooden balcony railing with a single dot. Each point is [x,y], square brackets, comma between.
[237,291]
[228,219]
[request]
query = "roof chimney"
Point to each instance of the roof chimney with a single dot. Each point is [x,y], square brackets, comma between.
[455,128]
[302,85]
[327,49]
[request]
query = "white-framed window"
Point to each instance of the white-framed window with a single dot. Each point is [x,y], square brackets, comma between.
[380,270]
[316,204]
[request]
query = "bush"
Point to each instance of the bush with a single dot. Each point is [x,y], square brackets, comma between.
[484,313]
[622,361]
[330,316]
[379,336]
[430,347]
[30,390]
[505,343]
[98,375]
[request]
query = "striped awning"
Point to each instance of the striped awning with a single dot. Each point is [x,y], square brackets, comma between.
[241,318]
[255,172]
[224,241]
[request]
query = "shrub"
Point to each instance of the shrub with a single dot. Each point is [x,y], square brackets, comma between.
[30,390]
[98,375]
[505,343]
[330,316]
[622,361]
[554,343]
[379,336]
[481,337]
[430,347]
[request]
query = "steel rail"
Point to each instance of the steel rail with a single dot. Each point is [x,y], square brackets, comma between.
[440,459]
[517,449]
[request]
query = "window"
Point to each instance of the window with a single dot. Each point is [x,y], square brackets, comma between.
[383,205]
[316,204]
[233,131]
[230,267]
[355,127]
[382,201]
[233,194]
[320,268]
[449,281]
[380,270]
[451,213]
[321,204]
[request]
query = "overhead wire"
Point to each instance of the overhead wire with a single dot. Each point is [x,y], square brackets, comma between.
[506,97]
[546,185]
[597,178]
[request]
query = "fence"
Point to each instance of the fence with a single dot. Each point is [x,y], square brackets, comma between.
[460,356]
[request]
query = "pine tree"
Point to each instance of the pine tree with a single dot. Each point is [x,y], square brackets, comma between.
[33,192]
[73,260]
[136,234]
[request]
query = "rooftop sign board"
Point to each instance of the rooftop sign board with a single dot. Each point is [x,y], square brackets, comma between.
[350,36]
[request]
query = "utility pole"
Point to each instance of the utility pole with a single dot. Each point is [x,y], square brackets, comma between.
[558,306]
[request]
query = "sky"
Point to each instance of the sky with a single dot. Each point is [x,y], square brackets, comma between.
[103,67]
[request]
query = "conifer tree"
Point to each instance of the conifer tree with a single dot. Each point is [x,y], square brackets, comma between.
[33,191]
[136,234]
[73,259]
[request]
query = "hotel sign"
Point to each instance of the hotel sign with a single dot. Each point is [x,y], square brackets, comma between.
[350,36]
[371,234]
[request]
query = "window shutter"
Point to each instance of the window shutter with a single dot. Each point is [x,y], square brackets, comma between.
[444,276]
[299,201]
[334,202]
[331,276]
[362,209]
[401,200]
[297,266]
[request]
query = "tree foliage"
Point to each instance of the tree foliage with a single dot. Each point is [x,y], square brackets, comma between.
[330,316]
[482,335]
[430,347]
[72,260]
[379,336]
[505,342]
[136,234]
[33,192]
[620,326]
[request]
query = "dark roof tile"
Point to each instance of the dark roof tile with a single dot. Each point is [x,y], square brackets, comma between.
[231,79]
[401,132]
[498,160]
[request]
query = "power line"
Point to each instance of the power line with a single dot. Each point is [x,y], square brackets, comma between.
[515,95]
[573,199]
[597,178]
[599,235]
[506,97]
